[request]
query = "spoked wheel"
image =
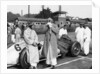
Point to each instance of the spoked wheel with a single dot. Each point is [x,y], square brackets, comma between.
[24,59]
[75,49]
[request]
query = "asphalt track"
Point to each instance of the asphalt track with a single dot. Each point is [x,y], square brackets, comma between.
[80,62]
[68,62]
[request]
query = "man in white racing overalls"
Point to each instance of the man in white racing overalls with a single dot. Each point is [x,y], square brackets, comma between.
[31,40]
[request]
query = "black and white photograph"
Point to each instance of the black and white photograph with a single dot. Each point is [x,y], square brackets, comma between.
[49,37]
[38,36]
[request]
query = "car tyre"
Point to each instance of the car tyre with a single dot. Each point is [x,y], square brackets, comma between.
[23,59]
[75,49]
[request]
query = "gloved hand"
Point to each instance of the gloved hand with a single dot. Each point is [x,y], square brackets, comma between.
[39,46]
[85,39]
[34,44]
[49,24]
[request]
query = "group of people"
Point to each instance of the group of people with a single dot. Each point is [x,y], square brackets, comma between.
[83,36]
[30,37]
[50,48]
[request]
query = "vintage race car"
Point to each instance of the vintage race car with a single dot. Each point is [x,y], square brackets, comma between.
[17,54]
[68,46]
[13,52]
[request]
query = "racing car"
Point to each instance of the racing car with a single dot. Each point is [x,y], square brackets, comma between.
[17,54]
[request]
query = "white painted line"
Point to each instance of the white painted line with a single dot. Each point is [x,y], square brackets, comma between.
[42,60]
[70,61]
[67,62]
[86,57]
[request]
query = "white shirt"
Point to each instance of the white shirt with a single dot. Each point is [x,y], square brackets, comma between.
[17,34]
[62,31]
[79,33]
[87,33]
[18,31]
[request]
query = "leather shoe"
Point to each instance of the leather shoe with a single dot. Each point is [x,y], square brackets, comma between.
[52,67]
[32,67]
[48,65]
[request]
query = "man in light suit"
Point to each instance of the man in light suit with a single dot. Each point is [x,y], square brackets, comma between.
[87,39]
[79,34]
[18,33]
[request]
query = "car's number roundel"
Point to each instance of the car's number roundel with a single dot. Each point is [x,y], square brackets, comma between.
[17,47]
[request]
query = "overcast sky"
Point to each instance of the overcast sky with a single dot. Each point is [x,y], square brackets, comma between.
[82,11]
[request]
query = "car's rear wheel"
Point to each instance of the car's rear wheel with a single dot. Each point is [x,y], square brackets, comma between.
[75,48]
[23,59]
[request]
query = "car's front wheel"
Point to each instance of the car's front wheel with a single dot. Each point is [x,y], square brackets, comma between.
[23,59]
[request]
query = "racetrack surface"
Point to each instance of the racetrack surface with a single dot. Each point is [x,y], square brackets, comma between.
[80,62]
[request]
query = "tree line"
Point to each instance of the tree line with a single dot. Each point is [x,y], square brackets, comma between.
[45,13]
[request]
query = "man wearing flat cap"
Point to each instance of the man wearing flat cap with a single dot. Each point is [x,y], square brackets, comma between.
[31,40]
